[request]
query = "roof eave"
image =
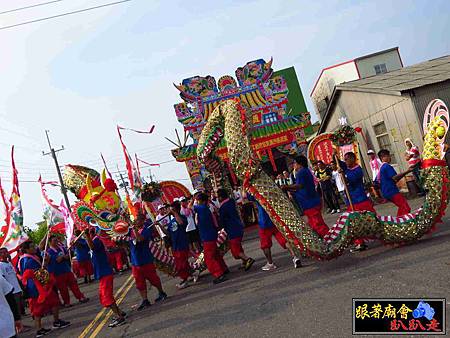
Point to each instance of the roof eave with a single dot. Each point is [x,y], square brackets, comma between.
[370,90]
[376,53]
[334,97]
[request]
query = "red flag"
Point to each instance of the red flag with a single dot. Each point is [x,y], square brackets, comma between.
[149,164]
[137,166]
[16,234]
[129,163]
[59,228]
[5,203]
[139,131]
[44,192]
[15,179]
[4,228]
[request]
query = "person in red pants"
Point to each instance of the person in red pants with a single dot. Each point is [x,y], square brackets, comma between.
[42,298]
[85,268]
[142,268]
[114,255]
[354,175]
[267,230]
[104,274]
[208,235]
[306,196]
[231,221]
[180,243]
[388,179]
[59,266]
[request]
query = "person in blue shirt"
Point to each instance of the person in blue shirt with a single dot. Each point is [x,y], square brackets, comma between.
[354,176]
[306,195]
[41,301]
[104,274]
[230,220]
[143,269]
[83,257]
[180,243]
[208,235]
[354,179]
[388,179]
[267,230]
[59,266]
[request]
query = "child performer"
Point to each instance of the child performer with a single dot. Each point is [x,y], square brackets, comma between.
[43,298]
[104,273]
[180,243]
[266,230]
[230,220]
[59,266]
[306,195]
[142,267]
[83,258]
[388,178]
[208,235]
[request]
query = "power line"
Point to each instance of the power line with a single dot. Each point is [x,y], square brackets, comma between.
[119,157]
[19,133]
[22,181]
[31,6]
[64,14]
[143,167]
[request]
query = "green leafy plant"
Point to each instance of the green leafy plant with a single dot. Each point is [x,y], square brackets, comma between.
[343,136]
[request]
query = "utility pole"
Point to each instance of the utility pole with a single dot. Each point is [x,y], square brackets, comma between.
[58,170]
[150,174]
[124,184]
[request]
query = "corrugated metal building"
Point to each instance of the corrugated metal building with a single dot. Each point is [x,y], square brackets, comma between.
[390,107]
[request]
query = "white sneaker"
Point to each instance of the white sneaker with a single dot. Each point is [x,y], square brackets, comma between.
[269,267]
[338,210]
[297,262]
[183,285]
[196,275]
[333,211]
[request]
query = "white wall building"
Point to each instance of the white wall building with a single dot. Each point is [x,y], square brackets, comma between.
[359,68]
[389,107]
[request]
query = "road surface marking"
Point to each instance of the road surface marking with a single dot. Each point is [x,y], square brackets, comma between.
[103,310]
[109,314]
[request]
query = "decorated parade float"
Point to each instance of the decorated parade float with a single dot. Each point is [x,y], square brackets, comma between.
[230,120]
[100,207]
[277,118]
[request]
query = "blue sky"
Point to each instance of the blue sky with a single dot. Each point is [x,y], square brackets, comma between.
[80,75]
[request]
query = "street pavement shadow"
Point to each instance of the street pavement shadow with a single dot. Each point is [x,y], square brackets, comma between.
[313,277]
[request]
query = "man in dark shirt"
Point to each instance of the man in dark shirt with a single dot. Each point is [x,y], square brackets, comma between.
[324,174]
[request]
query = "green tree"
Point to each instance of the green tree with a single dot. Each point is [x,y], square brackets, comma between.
[37,234]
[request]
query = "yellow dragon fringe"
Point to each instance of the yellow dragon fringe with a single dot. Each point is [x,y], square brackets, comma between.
[230,120]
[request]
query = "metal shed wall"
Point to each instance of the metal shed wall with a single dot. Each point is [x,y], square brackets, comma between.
[365,110]
[421,97]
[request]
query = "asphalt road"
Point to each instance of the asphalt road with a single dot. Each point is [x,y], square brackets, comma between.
[314,301]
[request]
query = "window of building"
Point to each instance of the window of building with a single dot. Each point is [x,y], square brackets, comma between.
[384,142]
[380,69]
[270,118]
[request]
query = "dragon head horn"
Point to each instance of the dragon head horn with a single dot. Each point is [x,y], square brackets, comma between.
[89,184]
[103,177]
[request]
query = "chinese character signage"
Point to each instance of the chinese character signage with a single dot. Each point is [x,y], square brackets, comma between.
[399,316]
[321,148]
